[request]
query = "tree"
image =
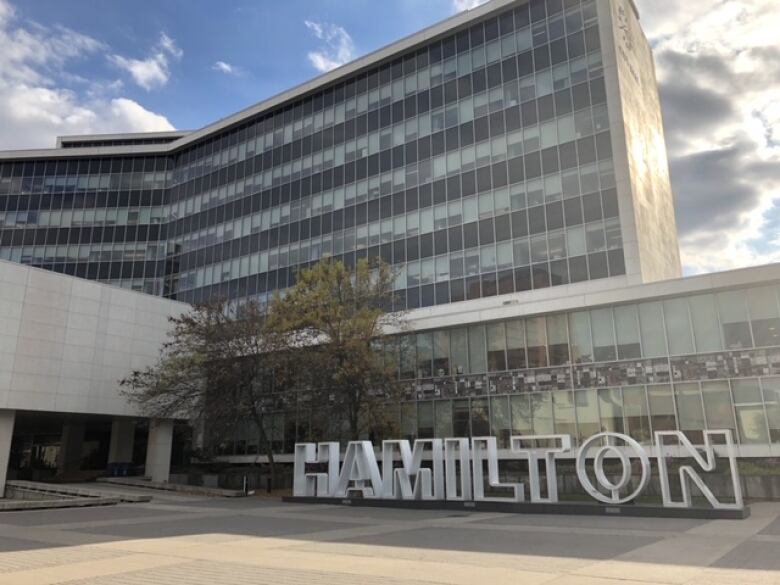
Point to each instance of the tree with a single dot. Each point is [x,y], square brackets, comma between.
[219,367]
[332,320]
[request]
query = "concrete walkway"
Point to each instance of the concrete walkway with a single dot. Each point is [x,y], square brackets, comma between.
[193,540]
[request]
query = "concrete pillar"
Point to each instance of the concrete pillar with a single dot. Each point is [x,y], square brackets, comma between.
[71,447]
[6,434]
[120,449]
[158,450]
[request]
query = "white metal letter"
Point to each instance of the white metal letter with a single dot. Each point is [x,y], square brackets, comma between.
[486,448]
[360,467]
[459,447]
[598,467]
[688,473]
[546,454]
[320,485]
[397,482]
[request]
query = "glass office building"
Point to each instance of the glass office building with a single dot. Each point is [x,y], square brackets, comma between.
[479,164]
[509,163]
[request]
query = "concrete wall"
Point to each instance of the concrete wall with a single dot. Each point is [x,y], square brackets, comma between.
[65,342]
[645,194]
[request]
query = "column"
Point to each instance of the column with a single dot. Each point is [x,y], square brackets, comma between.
[6,434]
[120,448]
[158,450]
[71,447]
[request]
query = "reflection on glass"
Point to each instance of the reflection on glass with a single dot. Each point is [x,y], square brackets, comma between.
[717,405]
[771,387]
[480,418]
[651,319]
[500,420]
[477,361]
[563,409]
[443,412]
[635,412]
[611,409]
[678,326]
[689,409]
[627,328]
[587,409]
[603,332]
[706,331]
[541,413]
[734,319]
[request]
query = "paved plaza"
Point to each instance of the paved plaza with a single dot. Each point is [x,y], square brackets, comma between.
[192,540]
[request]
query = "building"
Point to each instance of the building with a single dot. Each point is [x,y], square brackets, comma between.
[509,162]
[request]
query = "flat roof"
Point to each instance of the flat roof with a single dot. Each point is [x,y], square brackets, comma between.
[390,51]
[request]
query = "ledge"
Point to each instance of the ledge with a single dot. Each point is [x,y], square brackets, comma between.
[196,490]
[570,508]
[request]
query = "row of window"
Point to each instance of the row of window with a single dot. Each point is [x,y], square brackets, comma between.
[697,324]
[543,275]
[422,114]
[749,407]
[497,251]
[379,84]
[554,155]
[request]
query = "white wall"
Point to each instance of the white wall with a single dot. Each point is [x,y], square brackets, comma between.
[65,342]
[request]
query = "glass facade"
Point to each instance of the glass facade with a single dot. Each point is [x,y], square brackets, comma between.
[479,164]
[695,362]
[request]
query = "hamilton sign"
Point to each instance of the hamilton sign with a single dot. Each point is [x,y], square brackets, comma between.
[612,468]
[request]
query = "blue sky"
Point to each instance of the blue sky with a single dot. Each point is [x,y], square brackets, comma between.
[266,43]
[95,66]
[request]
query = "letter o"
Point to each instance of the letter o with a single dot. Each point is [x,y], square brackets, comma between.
[601,477]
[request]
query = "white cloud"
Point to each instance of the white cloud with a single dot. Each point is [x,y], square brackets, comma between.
[719,73]
[154,71]
[37,99]
[227,68]
[338,47]
[460,5]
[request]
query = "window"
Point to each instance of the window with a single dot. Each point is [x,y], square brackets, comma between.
[563,412]
[734,320]
[477,363]
[480,418]
[496,347]
[424,355]
[459,347]
[537,343]
[515,341]
[611,409]
[500,423]
[678,326]
[651,319]
[771,392]
[579,332]
[558,340]
[542,413]
[706,331]
[441,353]
[661,408]
[408,361]
[764,317]
[636,415]
[751,421]
[603,335]
[717,405]
[627,328]
[521,414]
[689,409]
[443,416]
[587,409]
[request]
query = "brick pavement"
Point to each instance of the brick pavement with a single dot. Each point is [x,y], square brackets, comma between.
[196,541]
